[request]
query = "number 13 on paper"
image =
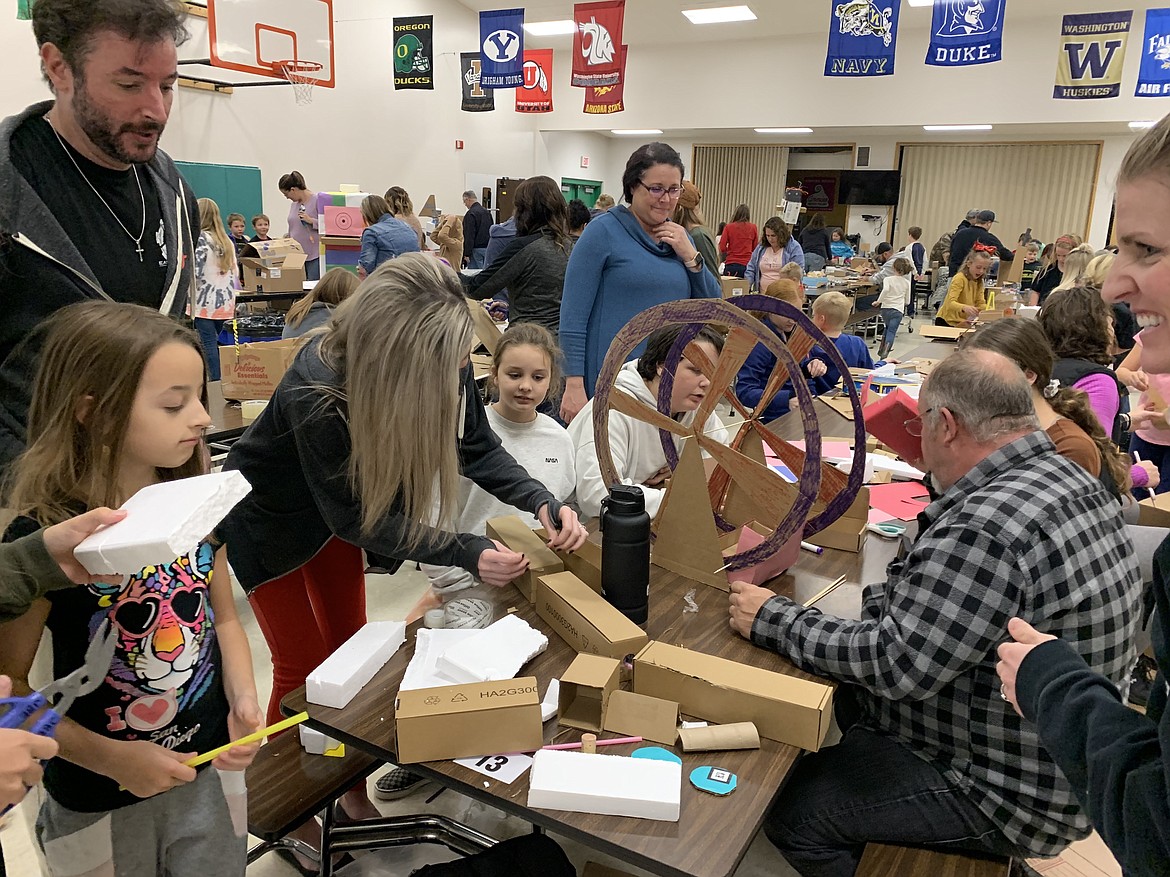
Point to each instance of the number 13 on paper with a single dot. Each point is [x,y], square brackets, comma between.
[504,768]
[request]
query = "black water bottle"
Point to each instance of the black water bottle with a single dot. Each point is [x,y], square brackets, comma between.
[625,552]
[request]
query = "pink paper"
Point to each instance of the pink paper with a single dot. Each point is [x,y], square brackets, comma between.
[899,499]
[877,516]
[828,449]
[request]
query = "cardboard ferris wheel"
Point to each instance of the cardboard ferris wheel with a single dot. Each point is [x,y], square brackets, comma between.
[702,526]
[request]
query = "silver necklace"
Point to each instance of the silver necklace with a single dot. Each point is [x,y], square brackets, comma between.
[141,197]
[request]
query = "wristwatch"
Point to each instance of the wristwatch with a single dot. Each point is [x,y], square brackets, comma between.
[695,263]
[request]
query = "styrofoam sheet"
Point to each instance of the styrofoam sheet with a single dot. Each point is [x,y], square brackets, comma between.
[611,785]
[494,653]
[422,671]
[342,675]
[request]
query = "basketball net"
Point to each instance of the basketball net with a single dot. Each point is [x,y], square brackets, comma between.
[297,74]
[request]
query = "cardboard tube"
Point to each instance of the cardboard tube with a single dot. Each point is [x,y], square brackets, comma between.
[740,735]
[589,744]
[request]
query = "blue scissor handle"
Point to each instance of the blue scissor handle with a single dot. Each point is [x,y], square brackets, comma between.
[21,709]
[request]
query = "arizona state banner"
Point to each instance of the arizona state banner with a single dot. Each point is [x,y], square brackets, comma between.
[535,96]
[1092,54]
[863,35]
[414,65]
[1154,75]
[607,99]
[596,59]
[476,99]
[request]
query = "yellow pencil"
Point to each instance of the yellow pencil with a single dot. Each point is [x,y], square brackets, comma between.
[244,741]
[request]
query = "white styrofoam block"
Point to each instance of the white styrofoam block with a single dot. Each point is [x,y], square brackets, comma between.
[552,699]
[164,521]
[494,653]
[429,643]
[612,785]
[343,673]
[314,742]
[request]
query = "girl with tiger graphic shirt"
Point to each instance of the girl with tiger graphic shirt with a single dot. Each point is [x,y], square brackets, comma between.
[119,404]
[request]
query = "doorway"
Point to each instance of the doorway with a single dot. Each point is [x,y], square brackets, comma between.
[587,191]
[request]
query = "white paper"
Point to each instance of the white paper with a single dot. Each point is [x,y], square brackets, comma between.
[505,768]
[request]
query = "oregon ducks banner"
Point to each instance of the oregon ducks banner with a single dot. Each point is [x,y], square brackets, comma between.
[1154,76]
[476,98]
[414,65]
[1092,54]
[863,35]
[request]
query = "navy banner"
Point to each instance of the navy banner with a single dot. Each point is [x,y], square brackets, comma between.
[862,37]
[1154,75]
[966,32]
[1092,55]
[501,48]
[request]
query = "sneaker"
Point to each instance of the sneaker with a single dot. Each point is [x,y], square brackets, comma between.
[398,783]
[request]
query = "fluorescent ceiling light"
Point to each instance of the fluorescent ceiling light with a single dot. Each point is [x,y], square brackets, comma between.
[719,14]
[635,132]
[956,127]
[784,130]
[921,2]
[1138,125]
[550,28]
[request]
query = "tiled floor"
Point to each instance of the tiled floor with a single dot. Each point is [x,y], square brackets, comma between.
[390,597]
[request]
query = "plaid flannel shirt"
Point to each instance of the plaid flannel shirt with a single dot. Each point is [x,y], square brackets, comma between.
[1026,532]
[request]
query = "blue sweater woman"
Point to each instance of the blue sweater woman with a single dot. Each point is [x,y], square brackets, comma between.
[388,238]
[616,271]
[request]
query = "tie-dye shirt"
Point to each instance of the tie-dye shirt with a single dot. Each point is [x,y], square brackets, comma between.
[165,684]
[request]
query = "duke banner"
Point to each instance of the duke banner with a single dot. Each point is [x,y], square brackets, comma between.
[863,35]
[535,95]
[966,32]
[1092,54]
[596,41]
[476,98]
[1154,75]
[607,99]
[414,65]
[501,48]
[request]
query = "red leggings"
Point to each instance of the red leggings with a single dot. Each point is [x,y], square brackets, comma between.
[308,613]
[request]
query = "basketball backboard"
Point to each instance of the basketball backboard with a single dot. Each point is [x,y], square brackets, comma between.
[249,36]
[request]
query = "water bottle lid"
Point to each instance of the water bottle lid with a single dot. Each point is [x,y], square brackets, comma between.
[625,499]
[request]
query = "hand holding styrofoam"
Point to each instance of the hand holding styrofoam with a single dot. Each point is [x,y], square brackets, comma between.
[164,521]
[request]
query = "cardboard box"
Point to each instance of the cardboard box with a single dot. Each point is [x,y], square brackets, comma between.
[584,563]
[941,333]
[277,265]
[254,370]
[461,721]
[584,619]
[639,715]
[1155,512]
[784,708]
[848,532]
[733,286]
[585,691]
[517,535]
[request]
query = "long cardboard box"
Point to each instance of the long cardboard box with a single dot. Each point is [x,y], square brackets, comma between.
[517,535]
[784,708]
[460,721]
[583,619]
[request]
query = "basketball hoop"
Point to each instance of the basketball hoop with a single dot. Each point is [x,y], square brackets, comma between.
[296,72]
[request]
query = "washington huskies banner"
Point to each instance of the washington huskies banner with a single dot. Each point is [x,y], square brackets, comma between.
[414,65]
[501,48]
[1154,75]
[476,98]
[535,95]
[1092,54]
[596,42]
[862,37]
[966,32]
[607,99]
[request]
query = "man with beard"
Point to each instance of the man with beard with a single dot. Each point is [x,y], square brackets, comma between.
[90,207]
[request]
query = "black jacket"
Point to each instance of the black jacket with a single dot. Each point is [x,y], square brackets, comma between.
[966,239]
[42,271]
[477,222]
[296,457]
[532,269]
[817,241]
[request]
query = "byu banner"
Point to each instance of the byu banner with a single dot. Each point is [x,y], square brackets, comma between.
[535,95]
[476,98]
[862,37]
[1154,75]
[596,43]
[1092,54]
[501,48]
[966,32]
[414,52]
[607,99]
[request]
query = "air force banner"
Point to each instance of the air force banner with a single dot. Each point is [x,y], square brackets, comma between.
[1092,54]
[966,32]
[862,37]
[1154,75]
[501,48]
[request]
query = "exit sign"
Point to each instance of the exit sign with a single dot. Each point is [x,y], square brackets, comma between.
[584,161]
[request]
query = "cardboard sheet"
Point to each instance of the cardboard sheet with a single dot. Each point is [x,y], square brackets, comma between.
[901,499]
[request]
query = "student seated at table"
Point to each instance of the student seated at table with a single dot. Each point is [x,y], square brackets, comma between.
[840,247]
[636,447]
[965,297]
[757,368]
[316,308]
[830,313]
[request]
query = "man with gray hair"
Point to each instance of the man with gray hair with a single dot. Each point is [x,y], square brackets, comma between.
[932,754]
[477,223]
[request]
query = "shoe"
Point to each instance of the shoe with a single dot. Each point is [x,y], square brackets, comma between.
[1142,680]
[291,859]
[398,783]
